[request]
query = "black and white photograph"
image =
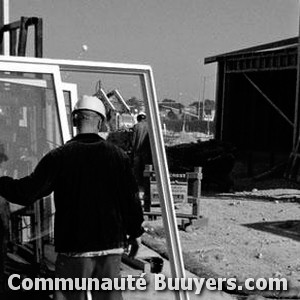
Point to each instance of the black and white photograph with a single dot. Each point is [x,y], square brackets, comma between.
[149,149]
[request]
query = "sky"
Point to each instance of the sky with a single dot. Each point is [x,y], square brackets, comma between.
[173,36]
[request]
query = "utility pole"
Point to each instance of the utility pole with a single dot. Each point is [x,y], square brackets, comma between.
[199,101]
[203,96]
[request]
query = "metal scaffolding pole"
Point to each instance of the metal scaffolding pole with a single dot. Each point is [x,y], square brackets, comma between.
[296,117]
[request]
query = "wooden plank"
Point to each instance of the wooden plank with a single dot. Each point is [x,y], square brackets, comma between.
[178,215]
[192,199]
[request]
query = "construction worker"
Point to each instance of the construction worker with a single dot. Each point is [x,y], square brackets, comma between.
[141,150]
[97,211]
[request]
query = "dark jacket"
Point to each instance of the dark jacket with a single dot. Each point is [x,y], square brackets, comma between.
[94,194]
[140,139]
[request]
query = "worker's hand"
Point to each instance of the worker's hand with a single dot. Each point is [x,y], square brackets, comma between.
[134,245]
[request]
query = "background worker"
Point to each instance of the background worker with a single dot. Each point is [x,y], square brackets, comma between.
[141,149]
[97,212]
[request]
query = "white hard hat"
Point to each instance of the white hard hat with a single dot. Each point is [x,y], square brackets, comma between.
[91,103]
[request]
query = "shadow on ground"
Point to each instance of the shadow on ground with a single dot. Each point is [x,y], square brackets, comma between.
[287,228]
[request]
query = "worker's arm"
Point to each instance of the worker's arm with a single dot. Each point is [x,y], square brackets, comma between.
[28,189]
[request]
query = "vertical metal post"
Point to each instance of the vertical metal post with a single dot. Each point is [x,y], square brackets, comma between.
[13,42]
[203,96]
[199,101]
[6,21]
[38,40]
[197,191]
[220,98]
[22,37]
[1,24]
[296,117]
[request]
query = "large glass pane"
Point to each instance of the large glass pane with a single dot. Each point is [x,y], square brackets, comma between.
[136,86]
[29,122]
[121,94]
[29,129]
[126,96]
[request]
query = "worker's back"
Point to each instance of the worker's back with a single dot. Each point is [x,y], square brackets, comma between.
[92,194]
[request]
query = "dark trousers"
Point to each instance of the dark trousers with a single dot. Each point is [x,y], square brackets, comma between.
[140,160]
[107,266]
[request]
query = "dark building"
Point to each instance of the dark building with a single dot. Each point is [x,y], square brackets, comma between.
[256,105]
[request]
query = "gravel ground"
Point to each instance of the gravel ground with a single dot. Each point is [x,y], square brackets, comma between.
[244,234]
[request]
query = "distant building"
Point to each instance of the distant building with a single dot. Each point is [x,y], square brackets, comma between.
[256,108]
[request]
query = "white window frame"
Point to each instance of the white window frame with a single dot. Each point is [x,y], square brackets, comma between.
[72,89]
[13,66]
[145,74]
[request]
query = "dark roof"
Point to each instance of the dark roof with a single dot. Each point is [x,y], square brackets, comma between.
[282,44]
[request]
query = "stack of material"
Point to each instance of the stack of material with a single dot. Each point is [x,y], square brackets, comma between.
[215,157]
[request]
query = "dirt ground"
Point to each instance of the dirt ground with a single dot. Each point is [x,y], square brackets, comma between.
[243,234]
